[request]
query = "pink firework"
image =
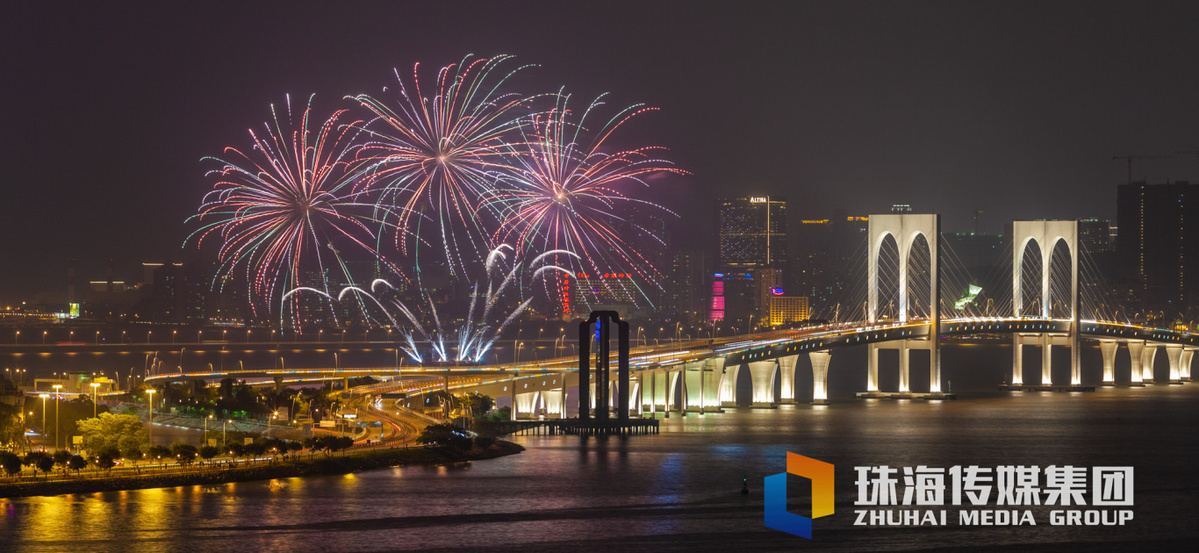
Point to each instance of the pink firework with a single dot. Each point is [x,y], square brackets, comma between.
[436,156]
[572,193]
[280,208]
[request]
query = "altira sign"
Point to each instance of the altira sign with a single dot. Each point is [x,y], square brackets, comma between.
[821,475]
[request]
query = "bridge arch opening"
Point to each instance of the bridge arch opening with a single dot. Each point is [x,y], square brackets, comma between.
[888,279]
[1059,280]
[919,279]
[1028,302]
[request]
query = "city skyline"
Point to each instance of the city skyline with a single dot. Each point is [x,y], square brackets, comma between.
[951,109]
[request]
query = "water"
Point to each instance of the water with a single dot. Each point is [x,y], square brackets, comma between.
[677,490]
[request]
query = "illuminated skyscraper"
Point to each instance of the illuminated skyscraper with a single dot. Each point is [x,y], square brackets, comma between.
[751,238]
[1158,243]
[751,232]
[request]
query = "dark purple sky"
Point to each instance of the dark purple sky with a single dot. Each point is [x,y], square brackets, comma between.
[1015,108]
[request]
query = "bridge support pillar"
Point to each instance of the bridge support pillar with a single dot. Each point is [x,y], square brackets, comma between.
[1109,349]
[1147,357]
[872,368]
[787,378]
[1174,352]
[657,392]
[904,369]
[1184,364]
[526,405]
[728,386]
[703,385]
[634,393]
[1017,361]
[820,361]
[555,403]
[763,373]
[1136,350]
[512,392]
[673,381]
[278,383]
[1046,360]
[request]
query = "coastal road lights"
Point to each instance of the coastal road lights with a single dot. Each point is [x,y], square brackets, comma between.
[95,386]
[56,397]
[150,393]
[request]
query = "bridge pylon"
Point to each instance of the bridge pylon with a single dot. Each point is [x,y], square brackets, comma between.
[1046,235]
[905,228]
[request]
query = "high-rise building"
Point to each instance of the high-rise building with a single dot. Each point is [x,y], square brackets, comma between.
[1159,244]
[688,283]
[751,236]
[751,232]
[1094,235]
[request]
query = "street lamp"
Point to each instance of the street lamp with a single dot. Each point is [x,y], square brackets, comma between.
[516,358]
[150,400]
[206,429]
[224,439]
[56,388]
[44,398]
[44,332]
[95,386]
[268,423]
[97,337]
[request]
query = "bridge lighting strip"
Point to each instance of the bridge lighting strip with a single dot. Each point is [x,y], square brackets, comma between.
[669,354]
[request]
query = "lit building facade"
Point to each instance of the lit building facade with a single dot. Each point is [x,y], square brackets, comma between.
[1158,244]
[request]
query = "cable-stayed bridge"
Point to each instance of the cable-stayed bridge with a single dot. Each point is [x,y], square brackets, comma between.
[913,288]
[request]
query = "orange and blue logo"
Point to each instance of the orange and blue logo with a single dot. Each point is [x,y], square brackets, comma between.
[821,475]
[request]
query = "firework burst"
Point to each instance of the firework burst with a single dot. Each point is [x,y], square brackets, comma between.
[571,193]
[437,155]
[279,208]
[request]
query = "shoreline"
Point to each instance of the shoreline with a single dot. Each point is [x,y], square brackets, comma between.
[318,465]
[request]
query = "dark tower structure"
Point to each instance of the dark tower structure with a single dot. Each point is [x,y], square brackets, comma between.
[598,328]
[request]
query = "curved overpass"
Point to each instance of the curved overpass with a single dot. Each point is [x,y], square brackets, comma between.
[711,365]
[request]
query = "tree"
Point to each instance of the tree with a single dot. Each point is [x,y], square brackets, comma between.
[476,404]
[105,461]
[208,452]
[36,458]
[76,463]
[185,453]
[255,449]
[444,434]
[69,413]
[159,453]
[11,428]
[132,451]
[124,432]
[10,462]
[61,457]
[45,463]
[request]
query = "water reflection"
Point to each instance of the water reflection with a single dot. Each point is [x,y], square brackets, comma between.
[675,490]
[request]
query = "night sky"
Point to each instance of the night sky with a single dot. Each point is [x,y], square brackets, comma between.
[1015,108]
